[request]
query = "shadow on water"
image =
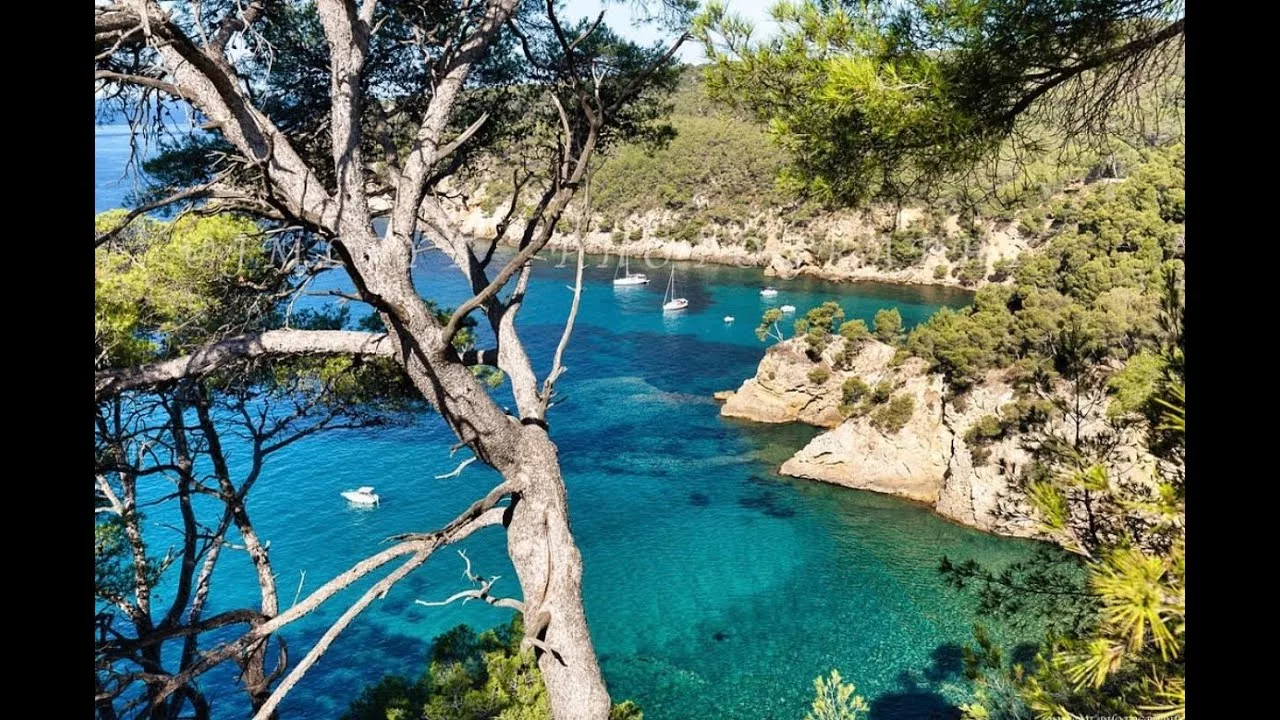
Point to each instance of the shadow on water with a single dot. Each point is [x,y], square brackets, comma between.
[912,701]
[769,504]
[948,662]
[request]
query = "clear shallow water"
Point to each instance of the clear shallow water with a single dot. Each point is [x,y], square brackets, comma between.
[714,588]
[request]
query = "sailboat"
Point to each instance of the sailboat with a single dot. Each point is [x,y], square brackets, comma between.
[675,303]
[627,277]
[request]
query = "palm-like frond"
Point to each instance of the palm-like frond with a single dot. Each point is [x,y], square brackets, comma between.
[1137,599]
[1174,416]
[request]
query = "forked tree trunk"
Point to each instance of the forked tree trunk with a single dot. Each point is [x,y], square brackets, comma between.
[539,539]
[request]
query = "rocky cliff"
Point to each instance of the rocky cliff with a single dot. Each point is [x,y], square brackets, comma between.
[836,246]
[929,459]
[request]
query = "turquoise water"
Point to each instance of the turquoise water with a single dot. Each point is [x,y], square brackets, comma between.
[714,588]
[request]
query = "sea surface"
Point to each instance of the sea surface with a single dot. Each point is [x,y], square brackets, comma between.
[714,588]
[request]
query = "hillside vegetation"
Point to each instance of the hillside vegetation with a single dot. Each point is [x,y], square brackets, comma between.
[715,183]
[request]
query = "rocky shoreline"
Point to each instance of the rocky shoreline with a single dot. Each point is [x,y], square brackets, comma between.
[932,458]
[775,257]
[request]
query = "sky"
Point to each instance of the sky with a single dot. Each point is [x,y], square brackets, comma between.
[622,14]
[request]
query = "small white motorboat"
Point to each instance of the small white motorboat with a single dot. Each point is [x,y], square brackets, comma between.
[361,496]
[769,292]
[728,319]
[787,309]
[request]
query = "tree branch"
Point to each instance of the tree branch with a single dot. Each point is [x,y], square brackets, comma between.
[378,591]
[224,352]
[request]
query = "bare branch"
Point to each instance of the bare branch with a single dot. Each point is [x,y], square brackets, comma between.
[221,353]
[377,592]
[458,470]
[188,194]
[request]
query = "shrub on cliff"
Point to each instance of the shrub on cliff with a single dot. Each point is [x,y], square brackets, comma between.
[895,415]
[882,391]
[888,325]
[852,392]
[818,325]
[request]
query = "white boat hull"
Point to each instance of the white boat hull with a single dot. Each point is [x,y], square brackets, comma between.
[677,304]
[359,498]
[788,309]
[632,280]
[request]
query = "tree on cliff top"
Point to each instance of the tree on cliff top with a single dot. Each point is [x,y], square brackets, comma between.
[325,115]
[880,99]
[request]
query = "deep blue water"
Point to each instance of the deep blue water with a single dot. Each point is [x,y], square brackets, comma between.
[714,587]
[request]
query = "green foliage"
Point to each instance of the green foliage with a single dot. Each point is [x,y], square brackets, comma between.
[1133,387]
[882,391]
[971,272]
[1096,281]
[1001,270]
[819,375]
[835,699]
[1123,654]
[895,415]
[113,561]
[997,694]
[818,325]
[470,677]
[162,287]
[881,99]
[721,158]
[768,327]
[853,391]
[854,331]
[888,325]
[941,271]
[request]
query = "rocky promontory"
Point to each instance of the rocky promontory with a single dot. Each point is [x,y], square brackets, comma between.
[934,456]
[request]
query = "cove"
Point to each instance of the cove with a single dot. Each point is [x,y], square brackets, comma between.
[714,588]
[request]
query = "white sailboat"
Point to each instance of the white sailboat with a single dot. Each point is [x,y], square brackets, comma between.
[675,303]
[769,292]
[627,277]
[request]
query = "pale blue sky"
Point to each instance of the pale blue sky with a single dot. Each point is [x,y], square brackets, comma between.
[619,15]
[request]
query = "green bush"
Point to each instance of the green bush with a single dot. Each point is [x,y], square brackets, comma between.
[817,325]
[1001,270]
[888,324]
[636,235]
[895,415]
[882,391]
[854,331]
[470,677]
[972,272]
[852,392]
[940,271]
[617,236]
[819,375]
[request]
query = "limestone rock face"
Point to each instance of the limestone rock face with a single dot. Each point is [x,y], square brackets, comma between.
[928,460]
[782,391]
